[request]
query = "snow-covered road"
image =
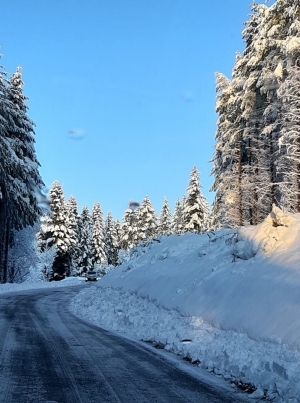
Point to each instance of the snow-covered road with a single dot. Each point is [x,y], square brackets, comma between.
[49,355]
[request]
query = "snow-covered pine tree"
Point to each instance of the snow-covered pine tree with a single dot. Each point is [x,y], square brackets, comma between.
[85,242]
[236,157]
[289,161]
[63,236]
[195,210]
[5,161]
[111,241]
[129,229]
[118,232]
[288,164]
[146,221]
[260,65]
[227,169]
[19,177]
[230,155]
[44,234]
[98,234]
[27,182]
[273,41]
[165,219]
[177,221]
[73,224]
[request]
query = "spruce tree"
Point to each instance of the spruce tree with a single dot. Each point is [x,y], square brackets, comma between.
[20,181]
[118,229]
[85,242]
[195,210]
[73,224]
[259,69]
[111,241]
[227,160]
[44,235]
[27,182]
[98,234]
[5,161]
[129,229]
[289,160]
[63,236]
[177,222]
[165,219]
[146,221]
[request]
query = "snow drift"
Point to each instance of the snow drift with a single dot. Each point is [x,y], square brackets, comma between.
[228,300]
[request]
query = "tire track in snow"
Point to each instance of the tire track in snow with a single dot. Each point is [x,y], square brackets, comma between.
[16,356]
[67,336]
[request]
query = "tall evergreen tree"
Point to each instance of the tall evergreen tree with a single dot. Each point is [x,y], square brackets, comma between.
[44,235]
[239,105]
[146,220]
[73,224]
[177,222]
[62,233]
[195,210]
[19,177]
[111,241]
[85,242]
[98,234]
[165,219]
[228,155]
[118,229]
[289,161]
[129,229]
[27,182]
[5,156]
[259,66]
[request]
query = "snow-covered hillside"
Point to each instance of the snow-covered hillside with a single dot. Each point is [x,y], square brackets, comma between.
[228,300]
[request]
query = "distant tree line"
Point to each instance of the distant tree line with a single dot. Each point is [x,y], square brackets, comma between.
[86,241]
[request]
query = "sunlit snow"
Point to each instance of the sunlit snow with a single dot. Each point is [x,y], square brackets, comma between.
[228,301]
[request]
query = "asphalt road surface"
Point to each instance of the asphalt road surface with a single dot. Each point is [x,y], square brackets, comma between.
[47,355]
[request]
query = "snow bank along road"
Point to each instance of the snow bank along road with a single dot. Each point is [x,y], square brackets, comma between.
[49,355]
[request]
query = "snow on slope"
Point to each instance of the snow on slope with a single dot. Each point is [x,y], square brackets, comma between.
[229,300]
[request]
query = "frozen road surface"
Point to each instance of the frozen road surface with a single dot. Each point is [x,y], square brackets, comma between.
[48,355]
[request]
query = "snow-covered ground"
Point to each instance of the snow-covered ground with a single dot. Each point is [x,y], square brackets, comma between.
[28,285]
[229,301]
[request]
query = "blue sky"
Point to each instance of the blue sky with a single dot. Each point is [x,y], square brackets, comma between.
[122,91]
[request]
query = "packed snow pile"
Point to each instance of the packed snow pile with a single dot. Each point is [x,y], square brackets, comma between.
[228,300]
[277,231]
